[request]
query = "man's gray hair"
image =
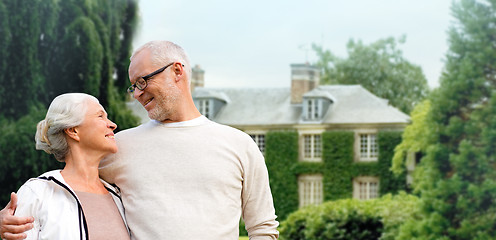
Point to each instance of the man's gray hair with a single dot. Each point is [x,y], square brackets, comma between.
[66,111]
[165,52]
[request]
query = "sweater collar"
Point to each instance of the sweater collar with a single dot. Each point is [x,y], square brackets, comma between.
[190,123]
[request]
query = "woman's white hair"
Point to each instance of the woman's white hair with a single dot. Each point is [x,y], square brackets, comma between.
[65,111]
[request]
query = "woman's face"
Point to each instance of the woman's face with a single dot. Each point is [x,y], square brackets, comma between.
[96,133]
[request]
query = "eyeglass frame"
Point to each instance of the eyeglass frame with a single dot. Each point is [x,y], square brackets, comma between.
[145,78]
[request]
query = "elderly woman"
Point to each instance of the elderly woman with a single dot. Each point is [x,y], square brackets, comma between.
[74,203]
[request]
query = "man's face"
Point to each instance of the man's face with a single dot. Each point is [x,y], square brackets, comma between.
[160,96]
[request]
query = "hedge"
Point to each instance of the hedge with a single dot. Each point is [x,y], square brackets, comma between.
[351,219]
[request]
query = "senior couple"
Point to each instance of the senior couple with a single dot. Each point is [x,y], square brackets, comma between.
[179,176]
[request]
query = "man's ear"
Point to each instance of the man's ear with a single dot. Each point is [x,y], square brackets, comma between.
[178,69]
[72,133]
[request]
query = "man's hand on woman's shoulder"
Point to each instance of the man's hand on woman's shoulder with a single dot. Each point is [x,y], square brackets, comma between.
[13,227]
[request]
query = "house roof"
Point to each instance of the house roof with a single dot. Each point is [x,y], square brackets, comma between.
[351,104]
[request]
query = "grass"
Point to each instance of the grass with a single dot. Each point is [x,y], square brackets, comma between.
[243,238]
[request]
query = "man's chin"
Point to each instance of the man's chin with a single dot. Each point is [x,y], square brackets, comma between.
[155,116]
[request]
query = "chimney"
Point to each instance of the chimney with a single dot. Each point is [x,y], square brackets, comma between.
[197,78]
[304,78]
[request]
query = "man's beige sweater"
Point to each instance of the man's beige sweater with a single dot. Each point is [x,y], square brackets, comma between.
[191,180]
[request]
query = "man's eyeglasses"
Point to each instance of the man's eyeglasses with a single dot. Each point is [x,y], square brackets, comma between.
[141,83]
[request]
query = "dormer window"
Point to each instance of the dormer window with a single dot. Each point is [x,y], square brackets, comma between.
[313,109]
[204,107]
[316,104]
[209,102]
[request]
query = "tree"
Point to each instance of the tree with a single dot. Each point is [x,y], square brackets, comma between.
[379,67]
[21,78]
[52,47]
[457,177]
[5,39]
[415,138]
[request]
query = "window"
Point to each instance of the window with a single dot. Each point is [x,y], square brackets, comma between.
[312,147]
[369,149]
[312,109]
[365,188]
[204,107]
[260,141]
[310,190]
[412,160]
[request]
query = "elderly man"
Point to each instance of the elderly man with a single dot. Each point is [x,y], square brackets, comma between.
[181,175]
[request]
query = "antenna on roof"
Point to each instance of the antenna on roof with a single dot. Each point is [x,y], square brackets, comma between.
[305,48]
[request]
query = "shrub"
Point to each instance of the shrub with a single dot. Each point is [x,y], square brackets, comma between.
[350,219]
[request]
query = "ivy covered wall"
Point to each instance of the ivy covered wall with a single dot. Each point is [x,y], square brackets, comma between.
[337,167]
[337,157]
[281,155]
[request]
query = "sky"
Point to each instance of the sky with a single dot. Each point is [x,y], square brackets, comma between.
[252,43]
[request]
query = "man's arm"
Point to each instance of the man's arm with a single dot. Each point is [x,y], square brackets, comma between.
[13,227]
[258,207]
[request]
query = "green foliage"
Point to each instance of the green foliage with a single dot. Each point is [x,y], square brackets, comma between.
[5,38]
[20,159]
[53,47]
[281,154]
[22,69]
[124,36]
[379,67]
[81,72]
[351,219]
[389,183]
[338,158]
[416,137]
[242,228]
[340,168]
[456,178]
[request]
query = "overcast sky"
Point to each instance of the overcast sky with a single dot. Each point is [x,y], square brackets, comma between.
[252,43]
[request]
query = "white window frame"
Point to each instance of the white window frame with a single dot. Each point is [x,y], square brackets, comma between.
[313,139]
[310,189]
[410,167]
[366,187]
[259,139]
[313,109]
[205,107]
[371,145]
